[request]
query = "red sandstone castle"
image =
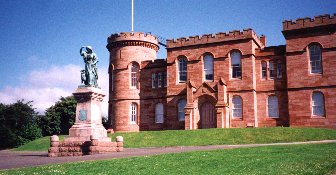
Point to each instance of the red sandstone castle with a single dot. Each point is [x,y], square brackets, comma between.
[225,80]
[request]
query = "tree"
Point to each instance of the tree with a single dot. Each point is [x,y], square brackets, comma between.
[60,117]
[50,123]
[18,124]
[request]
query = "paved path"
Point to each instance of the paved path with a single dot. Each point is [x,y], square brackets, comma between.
[18,159]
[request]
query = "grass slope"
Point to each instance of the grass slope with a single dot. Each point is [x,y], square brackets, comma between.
[41,144]
[207,137]
[224,136]
[294,159]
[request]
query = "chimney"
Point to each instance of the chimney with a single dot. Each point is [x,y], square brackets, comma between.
[263,39]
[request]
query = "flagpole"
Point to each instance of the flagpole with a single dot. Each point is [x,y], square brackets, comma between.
[132,15]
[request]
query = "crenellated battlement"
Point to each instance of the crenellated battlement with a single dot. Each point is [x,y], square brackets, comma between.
[132,39]
[210,38]
[135,36]
[309,22]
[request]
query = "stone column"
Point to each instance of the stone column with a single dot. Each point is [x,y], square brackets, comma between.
[53,149]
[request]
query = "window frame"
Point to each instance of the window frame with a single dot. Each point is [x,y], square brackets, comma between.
[311,61]
[322,105]
[159,80]
[164,79]
[182,69]
[279,69]
[133,113]
[234,107]
[180,110]
[134,75]
[154,80]
[236,70]
[274,108]
[208,67]
[271,70]
[158,115]
[264,70]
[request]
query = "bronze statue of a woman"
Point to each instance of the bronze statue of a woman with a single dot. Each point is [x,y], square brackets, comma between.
[89,75]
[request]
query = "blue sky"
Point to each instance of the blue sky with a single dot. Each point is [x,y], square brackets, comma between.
[40,40]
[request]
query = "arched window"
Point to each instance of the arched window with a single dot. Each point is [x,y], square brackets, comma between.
[133,113]
[315,57]
[182,67]
[273,108]
[237,107]
[318,104]
[263,69]
[271,70]
[236,64]
[208,67]
[134,75]
[279,69]
[111,72]
[181,104]
[159,113]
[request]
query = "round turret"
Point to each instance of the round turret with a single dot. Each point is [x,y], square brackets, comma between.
[127,51]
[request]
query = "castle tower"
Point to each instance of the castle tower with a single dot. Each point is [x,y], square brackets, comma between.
[127,51]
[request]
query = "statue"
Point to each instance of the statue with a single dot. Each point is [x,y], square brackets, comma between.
[89,75]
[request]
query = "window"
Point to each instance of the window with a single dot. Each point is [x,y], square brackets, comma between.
[154,80]
[159,80]
[208,67]
[164,79]
[159,113]
[315,59]
[160,83]
[182,67]
[181,104]
[112,80]
[318,104]
[237,107]
[134,75]
[263,69]
[271,69]
[236,64]
[279,69]
[273,109]
[133,113]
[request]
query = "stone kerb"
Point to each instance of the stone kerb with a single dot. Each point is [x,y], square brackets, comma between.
[210,38]
[80,148]
[309,22]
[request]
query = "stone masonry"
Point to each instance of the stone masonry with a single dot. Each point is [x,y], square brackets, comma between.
[282,72]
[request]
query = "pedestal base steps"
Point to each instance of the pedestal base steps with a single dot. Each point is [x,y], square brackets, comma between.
[80,148]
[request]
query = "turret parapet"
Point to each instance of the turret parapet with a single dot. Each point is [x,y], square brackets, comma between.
[210,38]
[309,22]
[132,39]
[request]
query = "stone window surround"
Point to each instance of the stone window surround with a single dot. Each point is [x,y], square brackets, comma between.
[313,104]
[276,106]
[308,50]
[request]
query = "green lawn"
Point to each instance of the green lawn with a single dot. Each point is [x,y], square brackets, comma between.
[41,144]
[223,136]
[294,159]
[207,137]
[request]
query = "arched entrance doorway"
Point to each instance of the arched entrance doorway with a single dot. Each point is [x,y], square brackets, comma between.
[208,117]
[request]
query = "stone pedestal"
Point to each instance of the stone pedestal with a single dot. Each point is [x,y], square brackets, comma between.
[87,135]
[88,116]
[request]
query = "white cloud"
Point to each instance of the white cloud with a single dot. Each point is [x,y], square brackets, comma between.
[45,86]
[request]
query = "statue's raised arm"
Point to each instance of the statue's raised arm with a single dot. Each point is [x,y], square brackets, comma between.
[89,75]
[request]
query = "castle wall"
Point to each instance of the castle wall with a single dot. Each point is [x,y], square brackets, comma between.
[293,88]
[127,49]
[302,83]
